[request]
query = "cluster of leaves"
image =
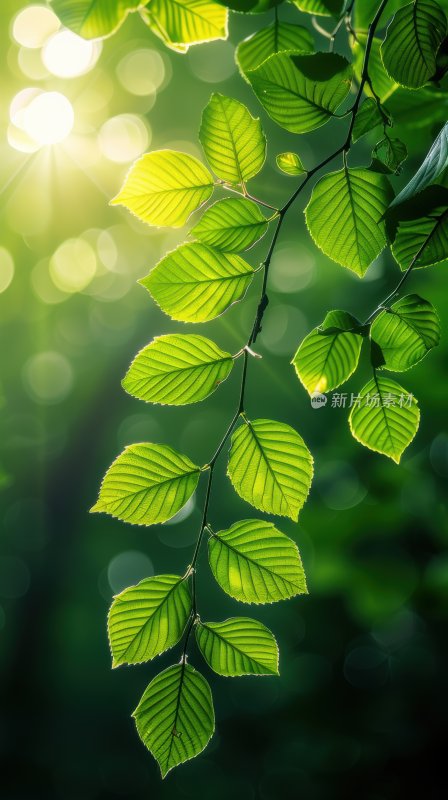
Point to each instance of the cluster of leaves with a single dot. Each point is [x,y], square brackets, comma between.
[352,215]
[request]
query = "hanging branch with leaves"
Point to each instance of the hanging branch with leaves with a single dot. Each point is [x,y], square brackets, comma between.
[351,215]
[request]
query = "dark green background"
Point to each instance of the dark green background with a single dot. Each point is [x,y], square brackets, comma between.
[360,709]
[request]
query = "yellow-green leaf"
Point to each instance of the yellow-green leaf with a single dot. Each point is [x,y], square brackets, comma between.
[93,19]
[290,164]
[147,619]
[255,563]
[238,646]
[164,187]
[232,225]
[301,92]
[177,369]
[232,139]
[270,467]
[147,483]
[386,418]
[277,38]
[345,216]
[406,332]
[175,718]
[329,354]
[196,283]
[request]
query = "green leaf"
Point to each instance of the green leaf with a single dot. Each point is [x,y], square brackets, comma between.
[232,139]
[196,283]
[367,119]
[165,187]
[290,164]
[365,11]
[301,93]
[147,619]
[177,369]
[250,6]
[323,8]
[238,646]
[175,718]
[232,225]
[432,168]
[383,86]
[345,216]
[277,38]
[270,467]
[147,483]
[384,420]
[388,156]
[255,563]
[93,19]
[422,234]
[329,354]
[187,22]
[406,332]
[413,38]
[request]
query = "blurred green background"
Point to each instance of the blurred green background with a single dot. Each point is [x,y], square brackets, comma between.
[360,709]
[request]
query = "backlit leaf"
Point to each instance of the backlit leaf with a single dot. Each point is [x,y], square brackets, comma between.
[413,37]
[147,619]
[186,22]
[290,164]
[232,225]
[255,563]
[324,8]
[165,187]
[383,85]
[367,119]
[388,156]
[329,354]
[177,369]
[270,467]
[232,139]
[238,646]
[93,19]
[432,168]
[422,234]
[301,92]
[277,38]
[147,483]
[345,216]
[365,11]
[175,717]
[406,332]
[386,418]
[196,283]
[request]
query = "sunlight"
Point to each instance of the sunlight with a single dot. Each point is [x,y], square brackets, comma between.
[44,117]
[67,55]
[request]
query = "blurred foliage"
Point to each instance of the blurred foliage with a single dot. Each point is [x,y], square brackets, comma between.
[360,706]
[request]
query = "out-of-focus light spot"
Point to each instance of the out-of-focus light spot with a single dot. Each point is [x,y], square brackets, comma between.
[138,428]
[6,268]
[212,63]
[14,577]
[31,64]
[127,569]
[42,117]
[43,285]
[283,328]
[73,265]
[48,377]
[33,25]
[339,485]
[107,250]
[49,118]
[293,268]
[67,55]
[141,72]
[124,138]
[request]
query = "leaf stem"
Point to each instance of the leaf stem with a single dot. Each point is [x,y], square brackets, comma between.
[263,304]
